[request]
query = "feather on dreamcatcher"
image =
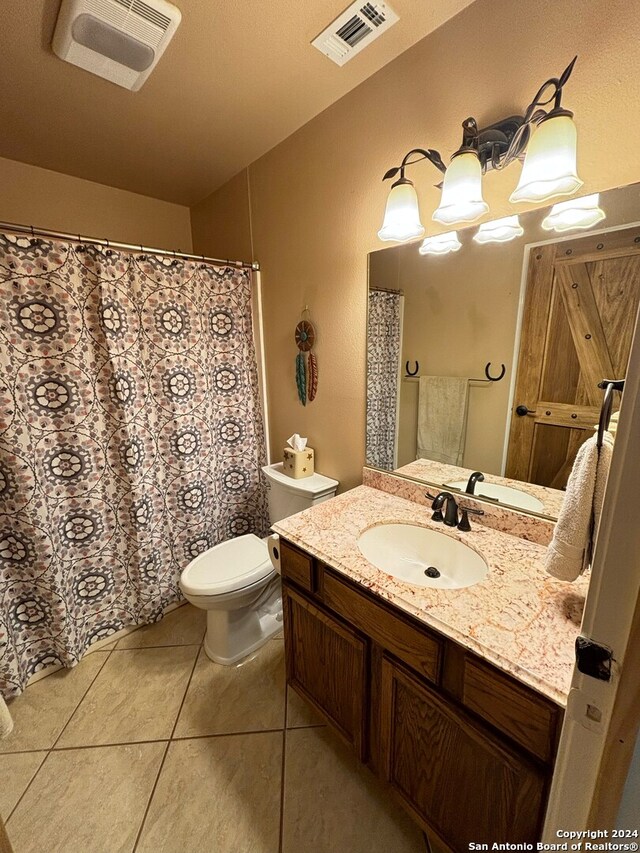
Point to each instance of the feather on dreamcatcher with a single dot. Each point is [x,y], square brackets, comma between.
[306,370]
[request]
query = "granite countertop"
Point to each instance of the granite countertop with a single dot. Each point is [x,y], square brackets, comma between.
[518,618]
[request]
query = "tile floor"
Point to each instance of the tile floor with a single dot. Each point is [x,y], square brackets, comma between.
[148,746]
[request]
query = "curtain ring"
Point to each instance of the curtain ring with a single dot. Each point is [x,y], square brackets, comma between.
[32,232]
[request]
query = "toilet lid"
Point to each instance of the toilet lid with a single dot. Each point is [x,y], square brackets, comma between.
[229,566]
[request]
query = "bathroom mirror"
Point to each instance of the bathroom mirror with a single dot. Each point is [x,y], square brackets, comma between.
[548,315]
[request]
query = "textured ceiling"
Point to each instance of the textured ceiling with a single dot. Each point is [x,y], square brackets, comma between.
[238,77]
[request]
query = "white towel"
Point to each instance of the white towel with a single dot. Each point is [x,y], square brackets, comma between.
[6,723]
[442,418]
[571,548]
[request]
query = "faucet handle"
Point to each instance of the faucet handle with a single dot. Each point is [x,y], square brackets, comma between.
[472,510]
[463,524]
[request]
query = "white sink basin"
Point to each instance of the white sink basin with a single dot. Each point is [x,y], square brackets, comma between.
[504,494]
[407,551]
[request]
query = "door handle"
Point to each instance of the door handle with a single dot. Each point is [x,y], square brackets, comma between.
[521,411]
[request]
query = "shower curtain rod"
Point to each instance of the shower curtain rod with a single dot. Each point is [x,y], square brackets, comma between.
[112,244]
[387,290]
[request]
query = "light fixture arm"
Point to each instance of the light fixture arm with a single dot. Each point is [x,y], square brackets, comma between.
[430,154]
[534,114]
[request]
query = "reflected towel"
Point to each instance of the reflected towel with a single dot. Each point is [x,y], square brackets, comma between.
[442,418]
[6,723]
[571,548]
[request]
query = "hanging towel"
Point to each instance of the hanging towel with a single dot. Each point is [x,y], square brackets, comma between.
[442,418]
[6,723]
[571,548]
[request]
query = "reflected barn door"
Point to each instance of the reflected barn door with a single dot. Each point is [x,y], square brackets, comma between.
[580,310]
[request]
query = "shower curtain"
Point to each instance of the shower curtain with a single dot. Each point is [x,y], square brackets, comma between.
[131,439]
[384,345]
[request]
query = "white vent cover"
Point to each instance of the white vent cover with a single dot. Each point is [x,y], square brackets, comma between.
[120,40]
[354,29]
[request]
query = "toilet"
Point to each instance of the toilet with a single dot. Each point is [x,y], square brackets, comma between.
[236,582]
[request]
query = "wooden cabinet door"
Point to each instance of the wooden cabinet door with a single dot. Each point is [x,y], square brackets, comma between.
[327,664]
[580,310]
[453,775]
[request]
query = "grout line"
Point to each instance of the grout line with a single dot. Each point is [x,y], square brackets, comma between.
[283,767]
[50,749]
[103,745]
[6,820]
[166,751]
[226,734]
[153,790]
[156,646]
[84,696]
[160,740]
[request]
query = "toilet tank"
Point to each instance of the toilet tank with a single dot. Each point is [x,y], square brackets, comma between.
[288,496]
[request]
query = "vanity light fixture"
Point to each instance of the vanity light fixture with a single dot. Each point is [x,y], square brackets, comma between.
[461,199]
[582,212]
[441,244]
[547,137]
[401,215]
[499,230]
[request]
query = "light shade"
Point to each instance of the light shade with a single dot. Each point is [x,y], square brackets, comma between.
[461,199]
[402,214]
[576,213]
[441,244]
[500,230]
[549,168]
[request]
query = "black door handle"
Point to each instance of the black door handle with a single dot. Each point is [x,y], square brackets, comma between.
[523,410]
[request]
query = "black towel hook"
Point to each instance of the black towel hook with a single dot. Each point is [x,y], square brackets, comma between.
[494,378]
[412,373]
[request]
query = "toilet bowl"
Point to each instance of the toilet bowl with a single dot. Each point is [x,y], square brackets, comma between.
[236,582]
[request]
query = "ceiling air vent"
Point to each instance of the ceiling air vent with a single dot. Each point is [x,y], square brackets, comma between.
[120,40]
[354,29]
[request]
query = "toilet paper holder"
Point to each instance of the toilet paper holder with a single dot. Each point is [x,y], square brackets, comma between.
[273,544]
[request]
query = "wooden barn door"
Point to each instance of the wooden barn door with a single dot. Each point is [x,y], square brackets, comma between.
[580,309]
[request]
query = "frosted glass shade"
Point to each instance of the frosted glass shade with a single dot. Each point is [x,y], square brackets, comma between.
[549,168]
[576,213]
[441,244]
[462,199]
[402,214]
[500,230]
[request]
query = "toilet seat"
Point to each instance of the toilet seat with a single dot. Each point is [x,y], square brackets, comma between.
[228,567]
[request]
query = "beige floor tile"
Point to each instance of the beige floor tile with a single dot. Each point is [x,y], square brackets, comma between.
[136,697]
[42,711]
[225,699]
[300,713]
[217,795]
[333,803]
[16,771]
[87,800]
[182,627]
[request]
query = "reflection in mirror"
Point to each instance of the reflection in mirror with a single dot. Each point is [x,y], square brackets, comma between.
[557,309]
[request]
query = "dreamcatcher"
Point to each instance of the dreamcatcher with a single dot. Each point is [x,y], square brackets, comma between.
[306,370]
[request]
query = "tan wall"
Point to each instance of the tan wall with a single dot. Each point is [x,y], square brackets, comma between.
[221,223]
[316,200]
[33,196]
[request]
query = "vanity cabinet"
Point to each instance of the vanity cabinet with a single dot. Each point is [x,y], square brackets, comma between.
[466,749]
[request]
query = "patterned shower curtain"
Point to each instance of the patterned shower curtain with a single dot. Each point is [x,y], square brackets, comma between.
[131,439]
[384,345]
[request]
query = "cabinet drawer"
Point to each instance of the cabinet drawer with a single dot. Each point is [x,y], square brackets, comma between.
[523,715]
[327,664]
[454,775]
[419,650]
[296,566]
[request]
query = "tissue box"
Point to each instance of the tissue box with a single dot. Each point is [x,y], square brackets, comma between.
[298,463]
